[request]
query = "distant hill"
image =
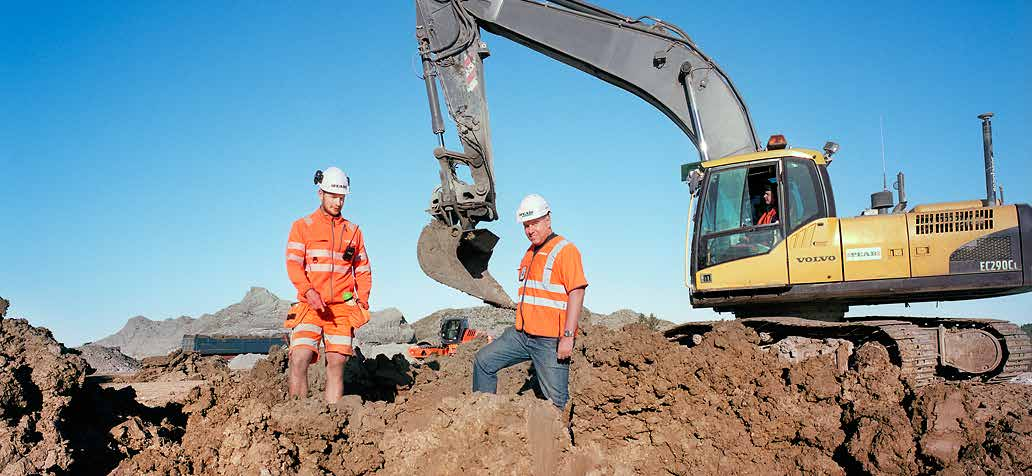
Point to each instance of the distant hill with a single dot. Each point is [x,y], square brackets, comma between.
[260,312]
[493,321]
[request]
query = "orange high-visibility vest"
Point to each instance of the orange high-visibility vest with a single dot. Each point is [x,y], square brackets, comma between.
[546,277]
[770,216]
[328,254]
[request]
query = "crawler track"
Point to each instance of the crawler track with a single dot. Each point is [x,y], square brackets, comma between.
[912,342]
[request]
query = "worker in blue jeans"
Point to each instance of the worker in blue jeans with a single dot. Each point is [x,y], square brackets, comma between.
[551,295]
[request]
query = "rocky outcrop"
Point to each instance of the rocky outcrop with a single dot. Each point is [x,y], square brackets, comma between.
[259,313]
[385,327]
[107,360]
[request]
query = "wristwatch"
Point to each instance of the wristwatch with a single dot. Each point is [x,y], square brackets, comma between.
[567,333]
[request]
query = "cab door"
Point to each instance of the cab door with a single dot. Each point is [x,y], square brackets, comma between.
[814,239]
[733,249]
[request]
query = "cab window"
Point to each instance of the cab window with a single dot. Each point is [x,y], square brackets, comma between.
[737,221]
[804,198]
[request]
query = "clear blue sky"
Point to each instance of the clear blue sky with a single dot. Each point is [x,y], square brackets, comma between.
[154,154]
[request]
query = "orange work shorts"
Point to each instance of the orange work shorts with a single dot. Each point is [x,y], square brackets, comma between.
[332,327]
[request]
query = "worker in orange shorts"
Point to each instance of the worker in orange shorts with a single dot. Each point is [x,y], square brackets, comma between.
[327,262]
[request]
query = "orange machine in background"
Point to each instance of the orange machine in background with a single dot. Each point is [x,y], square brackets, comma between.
[454,331]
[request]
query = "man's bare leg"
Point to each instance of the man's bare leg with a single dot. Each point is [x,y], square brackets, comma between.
[334,376]
[297,373]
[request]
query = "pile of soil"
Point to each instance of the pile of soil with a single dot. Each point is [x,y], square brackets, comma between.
[178,366]
[640,405]
[52,422]
[108,360]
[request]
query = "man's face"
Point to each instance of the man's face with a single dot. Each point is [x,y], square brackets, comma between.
[538,229]
[331,202]
[768,197]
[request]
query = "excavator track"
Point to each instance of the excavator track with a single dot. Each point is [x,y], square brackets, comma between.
[1019,346]
[913,343]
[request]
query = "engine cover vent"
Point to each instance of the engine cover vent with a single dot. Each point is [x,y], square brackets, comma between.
[985,249]
[954,221]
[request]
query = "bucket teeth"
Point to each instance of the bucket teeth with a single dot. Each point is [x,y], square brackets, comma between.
[459,260]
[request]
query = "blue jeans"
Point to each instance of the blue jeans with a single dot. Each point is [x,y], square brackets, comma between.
[513,347]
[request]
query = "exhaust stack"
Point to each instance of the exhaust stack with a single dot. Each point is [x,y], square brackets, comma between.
[987,150]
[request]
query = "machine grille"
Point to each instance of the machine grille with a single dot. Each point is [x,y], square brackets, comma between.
[988,248]
[954,221]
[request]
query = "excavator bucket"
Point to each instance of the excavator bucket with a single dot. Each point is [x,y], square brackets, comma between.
[459,260]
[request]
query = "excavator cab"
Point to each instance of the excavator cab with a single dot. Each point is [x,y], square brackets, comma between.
[453,329]
[748,205]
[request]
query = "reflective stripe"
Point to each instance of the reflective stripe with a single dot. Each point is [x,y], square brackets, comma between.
[293,257]
[547,276]
[308,221]
[328,267]
[323,253]
[337,340]
[304,341]
[361,269]
[555,288]
[539,301]
[305,327]
[293,245]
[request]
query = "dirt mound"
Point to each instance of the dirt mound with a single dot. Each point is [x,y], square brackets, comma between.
[726,405]
[51,421]
[640,405]
[108,360]
[179,365]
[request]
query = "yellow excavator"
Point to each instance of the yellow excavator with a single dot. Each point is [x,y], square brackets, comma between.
[766,242]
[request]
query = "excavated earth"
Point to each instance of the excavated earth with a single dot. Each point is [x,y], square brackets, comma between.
[639,405]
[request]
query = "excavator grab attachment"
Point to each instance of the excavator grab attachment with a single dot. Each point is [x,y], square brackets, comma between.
[459,260]
[451,250]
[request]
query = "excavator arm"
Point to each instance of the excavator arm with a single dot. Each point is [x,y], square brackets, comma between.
[655,60]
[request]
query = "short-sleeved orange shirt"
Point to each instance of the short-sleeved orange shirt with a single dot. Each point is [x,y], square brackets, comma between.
[547,275]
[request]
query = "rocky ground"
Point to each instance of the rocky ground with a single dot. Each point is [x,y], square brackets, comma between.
[108,360]
[640,405]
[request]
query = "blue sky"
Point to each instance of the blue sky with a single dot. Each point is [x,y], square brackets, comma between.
[154,154]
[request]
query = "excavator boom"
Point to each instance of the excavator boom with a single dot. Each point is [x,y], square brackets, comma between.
[655,60]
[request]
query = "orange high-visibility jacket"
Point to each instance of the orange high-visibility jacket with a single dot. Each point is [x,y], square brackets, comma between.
[546,277]
[770,216]
[328,254]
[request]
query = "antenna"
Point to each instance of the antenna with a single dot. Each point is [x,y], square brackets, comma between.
[881,129]
[881,201]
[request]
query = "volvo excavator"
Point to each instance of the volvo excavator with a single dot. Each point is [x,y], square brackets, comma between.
[791,276]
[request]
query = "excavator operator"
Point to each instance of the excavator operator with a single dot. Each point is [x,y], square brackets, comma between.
[770,202]
[327,263]
[551,294]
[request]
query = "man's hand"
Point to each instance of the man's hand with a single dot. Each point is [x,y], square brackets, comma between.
[314,300]
[565,348]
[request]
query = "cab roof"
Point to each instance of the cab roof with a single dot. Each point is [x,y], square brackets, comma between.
[765,154]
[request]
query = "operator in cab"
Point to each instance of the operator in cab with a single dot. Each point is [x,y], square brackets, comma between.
[770,203]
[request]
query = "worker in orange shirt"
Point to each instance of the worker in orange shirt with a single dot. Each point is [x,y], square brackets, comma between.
[328,264]
[551,295]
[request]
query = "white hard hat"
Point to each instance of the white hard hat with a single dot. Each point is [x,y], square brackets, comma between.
[532,206]
[333,180]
